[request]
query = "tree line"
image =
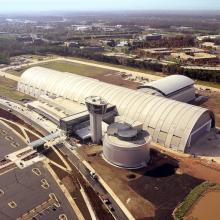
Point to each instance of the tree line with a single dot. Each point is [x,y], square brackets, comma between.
[13,48]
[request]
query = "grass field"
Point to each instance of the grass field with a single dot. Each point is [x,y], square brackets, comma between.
[91,71]
[120,66]
[65,66]
[210,84]
[86,70]
[199,82]
[8,89]
[15,72]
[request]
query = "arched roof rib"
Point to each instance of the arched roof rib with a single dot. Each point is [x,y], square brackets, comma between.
[160,116]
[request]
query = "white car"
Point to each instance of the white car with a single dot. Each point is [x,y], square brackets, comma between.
[93,175]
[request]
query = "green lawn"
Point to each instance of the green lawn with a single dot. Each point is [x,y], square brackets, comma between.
[120,66]
[85,70]
[15,72]
[65,66]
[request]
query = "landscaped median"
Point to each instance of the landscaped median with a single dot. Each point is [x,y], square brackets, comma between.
[191,198]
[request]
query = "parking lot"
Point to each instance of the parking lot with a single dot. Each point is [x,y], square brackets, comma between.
[9,142]
[25,193]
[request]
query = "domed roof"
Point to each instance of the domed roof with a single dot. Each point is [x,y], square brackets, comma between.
[170,84]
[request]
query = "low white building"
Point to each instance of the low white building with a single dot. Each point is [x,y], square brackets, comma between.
[125,146]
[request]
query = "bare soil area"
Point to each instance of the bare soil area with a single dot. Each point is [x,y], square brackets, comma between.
[213,103]
[155,191]
[118,179]
[164,184]
[149,193]
[197,167]
[206,208]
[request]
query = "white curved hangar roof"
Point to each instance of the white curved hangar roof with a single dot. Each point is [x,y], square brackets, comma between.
[171,123]
[170,84]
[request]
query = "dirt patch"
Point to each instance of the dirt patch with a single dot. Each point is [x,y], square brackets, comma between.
[212,103]
[201,169]
[162,185]
[165,193]
[70,184]
[131,176]
[116,79]
[155,191]
[206,208]
[197,167]
[54,157]
[118,180]
[31,136]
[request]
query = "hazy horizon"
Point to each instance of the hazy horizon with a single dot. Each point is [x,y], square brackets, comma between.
[27,6]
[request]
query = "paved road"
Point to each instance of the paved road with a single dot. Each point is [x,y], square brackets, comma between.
[118,213]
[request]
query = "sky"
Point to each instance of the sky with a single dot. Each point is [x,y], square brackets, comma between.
[109,5]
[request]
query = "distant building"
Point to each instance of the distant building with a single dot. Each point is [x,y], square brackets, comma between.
[92,49]
[135,43]
[81,27]
[121,55]
[45,27]
[189,50]
[122,43]
[182,28]
[211,46]
[150,37]
[110,43]
[206,37]
[71,44]
[199,58]
[24,38]
[157,51]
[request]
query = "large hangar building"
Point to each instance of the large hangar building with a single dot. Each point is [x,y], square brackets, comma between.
[171,123]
